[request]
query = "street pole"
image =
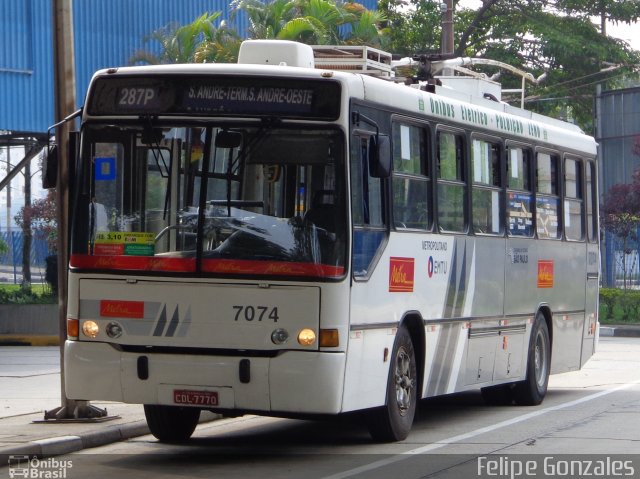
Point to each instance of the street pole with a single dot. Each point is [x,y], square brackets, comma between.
[447,28]
[446,43]
[65,104]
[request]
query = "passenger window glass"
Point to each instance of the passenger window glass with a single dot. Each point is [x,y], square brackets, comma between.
[451,186]
[519,195]
[573,211]
[410,183]
[547,201]
[519,167]
[369,231]
[487,192]
[547,174]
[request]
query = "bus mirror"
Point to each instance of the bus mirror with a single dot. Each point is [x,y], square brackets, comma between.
[380,156]
[228,139]
[50,167]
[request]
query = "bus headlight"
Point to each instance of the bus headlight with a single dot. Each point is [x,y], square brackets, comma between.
[306,337]
[114,330]
[90,329]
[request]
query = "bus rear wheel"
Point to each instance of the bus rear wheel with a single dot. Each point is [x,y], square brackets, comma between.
[393,421]
[171,423]
[533,389]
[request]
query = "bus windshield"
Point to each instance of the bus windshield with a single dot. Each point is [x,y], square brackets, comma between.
[211,199]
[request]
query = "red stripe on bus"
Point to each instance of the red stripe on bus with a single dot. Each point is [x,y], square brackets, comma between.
[148,263]
[140,263]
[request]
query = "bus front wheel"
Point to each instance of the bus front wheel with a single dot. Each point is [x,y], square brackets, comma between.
[533,389]
[393,421]
[171,423]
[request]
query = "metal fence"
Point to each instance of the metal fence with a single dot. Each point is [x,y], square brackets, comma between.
[620,262]
[11,261]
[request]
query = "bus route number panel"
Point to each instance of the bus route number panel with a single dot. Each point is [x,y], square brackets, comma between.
[228,96]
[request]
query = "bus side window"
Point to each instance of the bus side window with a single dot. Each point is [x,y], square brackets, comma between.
[451,183]
[369,229]
[519,194]
[487,187]
[573,200]
[547,198]
[410,182]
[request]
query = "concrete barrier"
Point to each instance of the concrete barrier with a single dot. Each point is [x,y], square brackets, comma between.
[35,324]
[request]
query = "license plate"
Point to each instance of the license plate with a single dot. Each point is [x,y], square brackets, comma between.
[195,398]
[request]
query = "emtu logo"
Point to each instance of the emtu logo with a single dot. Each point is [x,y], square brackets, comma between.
[436,267]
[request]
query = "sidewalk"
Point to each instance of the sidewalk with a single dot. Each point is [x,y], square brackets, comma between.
[20,435]
[29,434]
[29,385]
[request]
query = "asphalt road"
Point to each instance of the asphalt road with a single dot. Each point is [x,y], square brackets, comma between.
[588,423]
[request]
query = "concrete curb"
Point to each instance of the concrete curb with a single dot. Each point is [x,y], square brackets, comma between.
[620,331]
[65,444]
[55,446]
[29,340]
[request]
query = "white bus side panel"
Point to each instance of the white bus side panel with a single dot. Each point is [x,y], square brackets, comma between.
[445,279]
[475,334]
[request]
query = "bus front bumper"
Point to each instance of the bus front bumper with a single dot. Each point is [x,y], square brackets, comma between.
[292,382]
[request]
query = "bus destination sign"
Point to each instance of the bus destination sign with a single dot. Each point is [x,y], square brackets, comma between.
[213,97]
[228,96]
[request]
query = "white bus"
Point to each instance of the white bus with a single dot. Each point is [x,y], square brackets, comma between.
[272,238]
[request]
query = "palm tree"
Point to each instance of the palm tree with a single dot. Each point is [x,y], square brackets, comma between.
[219,45]
[320,22]
[197,42]
[266,19]
[365,29]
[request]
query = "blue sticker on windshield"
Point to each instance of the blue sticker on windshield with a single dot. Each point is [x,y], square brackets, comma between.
[105,169]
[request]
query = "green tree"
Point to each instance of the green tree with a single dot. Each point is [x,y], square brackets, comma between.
[42,216]
[266,19]
[557,39]
[197,42]
[322,22]
[315,22]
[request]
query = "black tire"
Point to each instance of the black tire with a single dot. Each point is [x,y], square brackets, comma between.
[171,423]
[393,421]
[501,395]
[533,389]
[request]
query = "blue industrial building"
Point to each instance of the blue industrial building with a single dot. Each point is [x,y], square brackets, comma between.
[106,33]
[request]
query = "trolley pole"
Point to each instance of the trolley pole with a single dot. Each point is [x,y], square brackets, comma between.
[65,104]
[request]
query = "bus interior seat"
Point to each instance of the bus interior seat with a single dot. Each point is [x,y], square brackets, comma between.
[323,211]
